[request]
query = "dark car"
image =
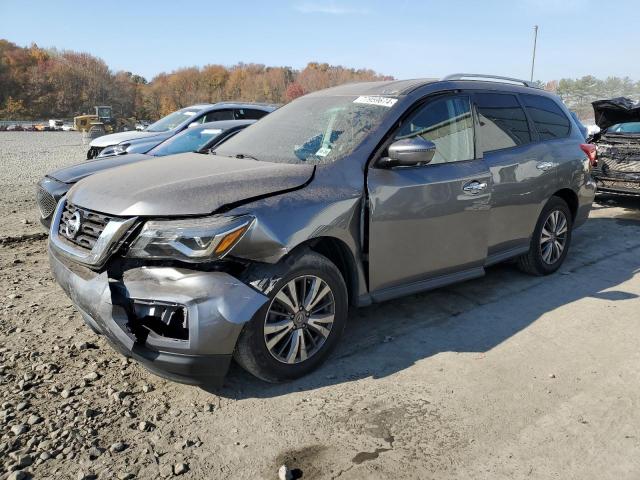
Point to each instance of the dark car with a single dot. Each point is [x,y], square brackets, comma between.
[344,197]
[142,141]
[618,146]
[200,138]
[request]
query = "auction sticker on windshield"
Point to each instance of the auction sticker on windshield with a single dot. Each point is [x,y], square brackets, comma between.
[375,100]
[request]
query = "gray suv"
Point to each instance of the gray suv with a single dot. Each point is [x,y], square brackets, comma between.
[345,197]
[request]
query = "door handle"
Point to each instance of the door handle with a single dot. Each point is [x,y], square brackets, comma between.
[474,187]
[544,166]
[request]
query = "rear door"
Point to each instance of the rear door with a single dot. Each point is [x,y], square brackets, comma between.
[431,220]
[523,169]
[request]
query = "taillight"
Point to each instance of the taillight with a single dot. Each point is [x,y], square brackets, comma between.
[590,150]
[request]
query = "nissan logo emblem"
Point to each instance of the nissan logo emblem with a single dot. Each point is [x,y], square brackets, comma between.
[73,225]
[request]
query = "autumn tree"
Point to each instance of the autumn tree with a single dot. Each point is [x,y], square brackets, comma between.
[294,90]
[37,83]
[13,109]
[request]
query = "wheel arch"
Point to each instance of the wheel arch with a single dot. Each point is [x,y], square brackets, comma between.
[571,198]
[338,252]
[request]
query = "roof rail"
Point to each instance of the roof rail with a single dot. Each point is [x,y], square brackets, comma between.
[491,78]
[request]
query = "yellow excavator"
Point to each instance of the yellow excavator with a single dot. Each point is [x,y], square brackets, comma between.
[103,122]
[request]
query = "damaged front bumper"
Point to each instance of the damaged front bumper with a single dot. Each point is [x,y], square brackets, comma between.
[618,169]
[616,182]
[180,324]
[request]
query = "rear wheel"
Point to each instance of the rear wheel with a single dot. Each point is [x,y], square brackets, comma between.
[300,324]
[550,240]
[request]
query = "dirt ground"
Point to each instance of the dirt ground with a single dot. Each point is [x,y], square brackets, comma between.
[507,376]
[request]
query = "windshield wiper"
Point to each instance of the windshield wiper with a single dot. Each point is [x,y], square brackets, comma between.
[244,155]
[239,156]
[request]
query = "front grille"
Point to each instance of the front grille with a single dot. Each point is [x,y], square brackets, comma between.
[619,156]
[617,165]
[46,202]
[91,226]
[619,185]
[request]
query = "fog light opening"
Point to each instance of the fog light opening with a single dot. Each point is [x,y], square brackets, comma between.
[164,319]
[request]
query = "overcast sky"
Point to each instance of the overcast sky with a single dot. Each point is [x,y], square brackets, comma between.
[402,38]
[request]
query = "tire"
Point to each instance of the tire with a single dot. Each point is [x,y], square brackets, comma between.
[308,272]
[538,260]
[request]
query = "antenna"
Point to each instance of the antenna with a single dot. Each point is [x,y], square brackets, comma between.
[535,41]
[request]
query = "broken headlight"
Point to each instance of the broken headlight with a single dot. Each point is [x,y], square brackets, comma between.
[190,240]
[121,148]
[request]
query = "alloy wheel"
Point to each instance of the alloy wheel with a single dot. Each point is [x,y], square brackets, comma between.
[553,237]
[299,319]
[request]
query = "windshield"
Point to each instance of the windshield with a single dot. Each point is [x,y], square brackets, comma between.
[629,127]
[104,112]
[172,120]
[310,130]
[190,140]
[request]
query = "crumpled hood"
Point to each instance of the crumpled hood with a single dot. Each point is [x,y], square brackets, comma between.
[184,184]
[75,173]
[615,110]
[116,138]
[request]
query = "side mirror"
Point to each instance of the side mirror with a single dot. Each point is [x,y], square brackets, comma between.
[194,124]
[409,152]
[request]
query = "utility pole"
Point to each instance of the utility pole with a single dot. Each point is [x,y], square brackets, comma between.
[535,41]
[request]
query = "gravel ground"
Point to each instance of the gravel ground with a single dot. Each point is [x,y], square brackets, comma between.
[24,158]
[507,376]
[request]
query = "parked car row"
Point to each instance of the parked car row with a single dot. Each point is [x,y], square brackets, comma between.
[51,126]
[141,141]
[345,197]
[199,139]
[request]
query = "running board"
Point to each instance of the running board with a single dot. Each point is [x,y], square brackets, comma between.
[506,255]
[424,285]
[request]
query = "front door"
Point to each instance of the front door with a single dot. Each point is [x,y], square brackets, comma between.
[431,220]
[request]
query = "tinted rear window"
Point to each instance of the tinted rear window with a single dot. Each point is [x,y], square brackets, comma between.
[249,114]
[503,123]
[218,115]
[547,116]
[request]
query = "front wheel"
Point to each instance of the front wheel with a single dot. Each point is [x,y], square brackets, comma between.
[300,324]
[550,240]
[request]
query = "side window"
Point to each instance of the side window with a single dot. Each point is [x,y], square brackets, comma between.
[249,114]
[503,123]
[222,138]
[218,115]
[547,116]
[448,123]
